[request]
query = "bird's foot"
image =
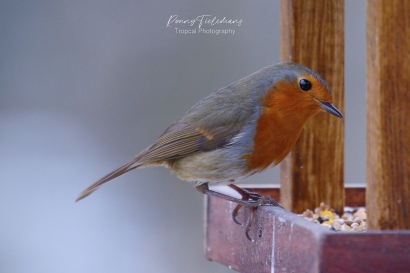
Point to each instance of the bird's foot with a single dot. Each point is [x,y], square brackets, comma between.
[250,200]
[253,201]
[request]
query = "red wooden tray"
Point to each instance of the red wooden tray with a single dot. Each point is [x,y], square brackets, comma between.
[285,242]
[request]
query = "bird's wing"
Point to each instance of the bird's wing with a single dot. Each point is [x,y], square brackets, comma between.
[207,126]
[179,140]
[182,139]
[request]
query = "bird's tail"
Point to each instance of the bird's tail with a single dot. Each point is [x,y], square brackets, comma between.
[134,163]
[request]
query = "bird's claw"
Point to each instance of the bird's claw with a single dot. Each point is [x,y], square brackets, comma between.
[254,202]
[235,213]
[249,221]
[247,235]
[267,201]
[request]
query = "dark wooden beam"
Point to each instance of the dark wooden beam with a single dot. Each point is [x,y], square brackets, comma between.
[388,114]
[312,34]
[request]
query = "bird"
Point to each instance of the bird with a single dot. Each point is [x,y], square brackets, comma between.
[236,132]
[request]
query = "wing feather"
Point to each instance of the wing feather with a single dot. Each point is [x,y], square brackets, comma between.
[179,140]
[210,124]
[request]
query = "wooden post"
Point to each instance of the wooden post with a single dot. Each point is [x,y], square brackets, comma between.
[388,114]
[313,35]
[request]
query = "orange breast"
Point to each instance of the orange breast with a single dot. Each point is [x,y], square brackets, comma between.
[278,128]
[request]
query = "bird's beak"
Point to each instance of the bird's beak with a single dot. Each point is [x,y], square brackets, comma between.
[330,108]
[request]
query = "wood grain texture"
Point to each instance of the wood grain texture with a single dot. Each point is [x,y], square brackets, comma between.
[313,35]
[285,242]
[386,252]
[388,114]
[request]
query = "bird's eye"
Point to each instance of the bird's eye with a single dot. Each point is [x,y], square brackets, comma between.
[305,85]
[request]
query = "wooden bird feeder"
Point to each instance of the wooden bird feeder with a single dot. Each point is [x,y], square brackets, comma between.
[313,35]
[285,242]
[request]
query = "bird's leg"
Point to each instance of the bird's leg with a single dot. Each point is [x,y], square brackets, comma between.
[246,195]
[250,200]
[203,188]
[254,198]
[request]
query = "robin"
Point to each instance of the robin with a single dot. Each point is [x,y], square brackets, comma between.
[236,132]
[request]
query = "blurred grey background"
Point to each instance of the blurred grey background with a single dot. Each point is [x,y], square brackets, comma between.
[84,86]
